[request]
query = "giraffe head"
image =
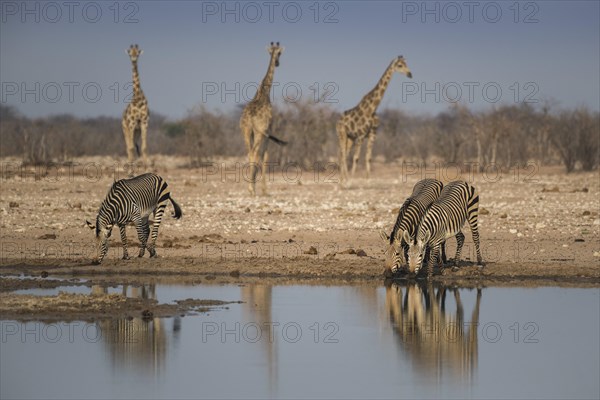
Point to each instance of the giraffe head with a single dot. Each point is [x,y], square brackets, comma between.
[275,50]
[134,52]
[399,65]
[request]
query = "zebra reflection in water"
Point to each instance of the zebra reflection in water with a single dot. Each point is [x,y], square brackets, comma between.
[138,344]
[435,339]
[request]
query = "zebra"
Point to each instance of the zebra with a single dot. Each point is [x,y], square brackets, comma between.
[424,193]
[133,200]
[458,202]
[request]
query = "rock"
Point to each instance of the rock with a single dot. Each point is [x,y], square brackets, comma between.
[579,240]
[586,212]
[348,251]
[312,251]
[483,211]
[330,256]
[47,236]
[247,209]
[44,274]
[361,253]
[551,190]
[13,204]
[503,216]
[540,225]
[513,231]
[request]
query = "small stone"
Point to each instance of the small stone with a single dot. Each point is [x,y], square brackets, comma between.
[348,251]
[13,204]
[361,253]
[540,225]
[44,274]
[330,256]
[579,240]
[47,236]
[247,209]
[503,216]
[597,254]
[312,251]
[483,211]
[513,231]
[586,212]
[519,234]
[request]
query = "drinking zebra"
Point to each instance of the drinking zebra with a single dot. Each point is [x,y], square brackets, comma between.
[458,202]
[424,193]
[133,200]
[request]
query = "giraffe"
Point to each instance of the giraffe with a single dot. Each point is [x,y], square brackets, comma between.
[255,123]
[361,122]
[135,117]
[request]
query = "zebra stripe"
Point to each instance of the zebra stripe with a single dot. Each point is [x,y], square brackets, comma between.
[458,202]
[424,193]
[133,200]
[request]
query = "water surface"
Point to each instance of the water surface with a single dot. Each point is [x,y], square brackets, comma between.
[400,341]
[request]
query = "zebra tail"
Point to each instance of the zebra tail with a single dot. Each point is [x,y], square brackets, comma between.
[177,214]
[277,140]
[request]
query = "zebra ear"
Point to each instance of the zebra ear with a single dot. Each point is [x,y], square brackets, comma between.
[384,236]
[406,236]
[89,225]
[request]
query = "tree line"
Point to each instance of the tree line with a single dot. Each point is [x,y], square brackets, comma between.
[505,136]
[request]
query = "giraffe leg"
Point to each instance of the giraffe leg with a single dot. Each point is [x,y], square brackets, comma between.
[263,178]
[144,128]
[128,135]
[343,155]
[370,141]
[247,134]
[255,159]
[124,241]
[357,148]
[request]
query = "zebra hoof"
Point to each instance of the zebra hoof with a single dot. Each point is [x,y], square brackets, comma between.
[454,268]
[141,254]
[126,257]
[152,253]
[96,262]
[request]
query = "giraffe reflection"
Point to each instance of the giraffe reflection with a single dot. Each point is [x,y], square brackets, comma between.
[138,343]
[436,340]
[257,310]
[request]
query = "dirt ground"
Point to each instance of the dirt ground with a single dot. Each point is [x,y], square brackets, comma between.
[537,225]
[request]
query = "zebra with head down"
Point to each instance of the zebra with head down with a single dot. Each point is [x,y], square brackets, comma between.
[133,200]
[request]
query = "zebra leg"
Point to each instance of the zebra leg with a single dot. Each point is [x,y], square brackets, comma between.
[141,225]
[124,241]
[433,255]
[444,258]
[460,241]
[154,234]
[475,234]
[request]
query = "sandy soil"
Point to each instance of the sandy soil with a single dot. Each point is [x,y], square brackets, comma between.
[535,224]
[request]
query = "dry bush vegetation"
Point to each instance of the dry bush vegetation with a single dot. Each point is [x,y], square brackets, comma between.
[505,136]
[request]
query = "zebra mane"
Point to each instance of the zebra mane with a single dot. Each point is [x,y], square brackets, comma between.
[399,219]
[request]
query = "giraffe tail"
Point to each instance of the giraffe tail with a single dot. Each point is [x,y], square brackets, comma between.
[276,140]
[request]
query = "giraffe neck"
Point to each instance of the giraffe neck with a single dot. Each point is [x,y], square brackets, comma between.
[264,91]
[137,89]
[373,98]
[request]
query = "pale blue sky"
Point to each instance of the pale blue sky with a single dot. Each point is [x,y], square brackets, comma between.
[187,48]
